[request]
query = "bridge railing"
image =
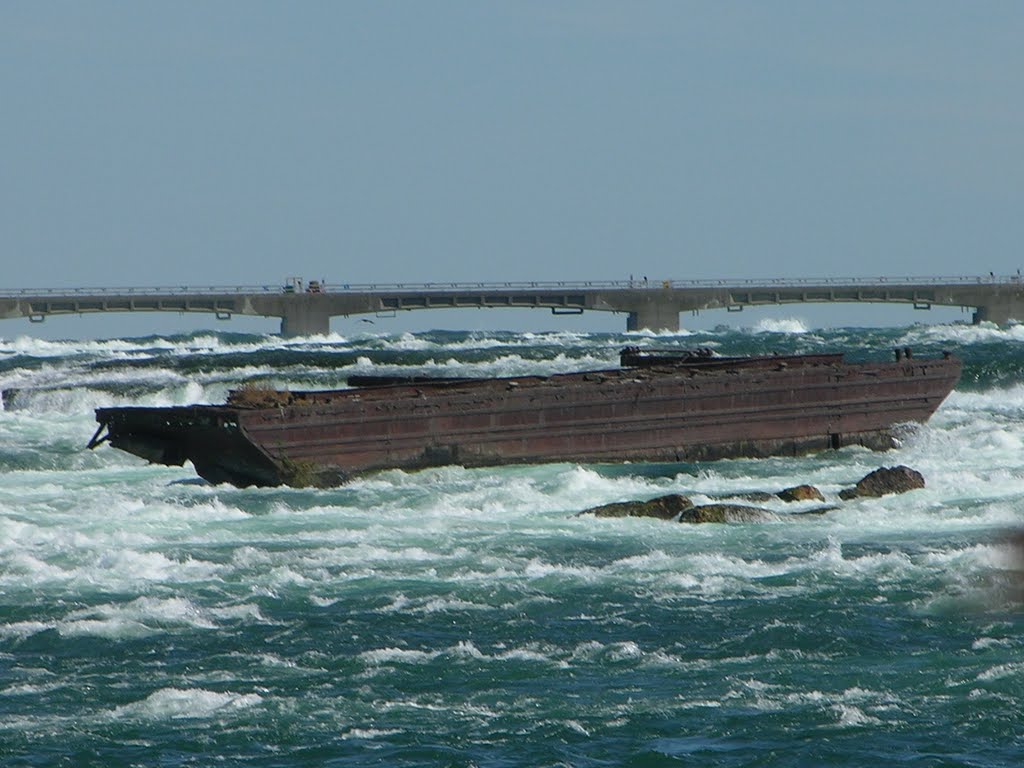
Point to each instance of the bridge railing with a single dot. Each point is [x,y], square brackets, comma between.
[157,290]
[518,285]
[782,282]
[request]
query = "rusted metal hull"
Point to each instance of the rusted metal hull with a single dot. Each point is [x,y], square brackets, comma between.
[652,413]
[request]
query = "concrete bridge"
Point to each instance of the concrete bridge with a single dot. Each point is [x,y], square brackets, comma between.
[306,310]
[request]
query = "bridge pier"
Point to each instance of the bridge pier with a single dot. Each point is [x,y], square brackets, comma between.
[1000,313]
[301,319]
[654,316]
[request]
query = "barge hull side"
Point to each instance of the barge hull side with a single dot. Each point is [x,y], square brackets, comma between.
[652,414]
[666,418]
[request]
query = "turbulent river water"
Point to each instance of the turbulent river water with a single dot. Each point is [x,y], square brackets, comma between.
[466,617]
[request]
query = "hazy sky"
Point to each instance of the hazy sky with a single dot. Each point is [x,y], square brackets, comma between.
[241,142]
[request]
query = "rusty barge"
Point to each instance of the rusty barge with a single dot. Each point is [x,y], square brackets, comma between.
[656,407]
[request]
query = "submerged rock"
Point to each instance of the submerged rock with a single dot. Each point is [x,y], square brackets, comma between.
[801,493]
[7,397]
[755,496]
[726,513]
[885,481]
[661,507]
[814,510]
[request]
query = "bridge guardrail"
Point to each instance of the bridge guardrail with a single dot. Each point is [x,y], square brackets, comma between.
[520,285]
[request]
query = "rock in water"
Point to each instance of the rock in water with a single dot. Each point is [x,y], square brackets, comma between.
[815,511]
[801,493]
[758,497]
[662,507]
[885,481]
[726,513]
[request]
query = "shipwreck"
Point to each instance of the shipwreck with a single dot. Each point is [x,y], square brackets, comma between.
[655,407]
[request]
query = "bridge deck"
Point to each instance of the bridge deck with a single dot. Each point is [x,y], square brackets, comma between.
[649,304]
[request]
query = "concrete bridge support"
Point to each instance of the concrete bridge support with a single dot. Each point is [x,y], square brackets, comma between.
[1000,312]
[654,315]
[305,319]
[1000,304]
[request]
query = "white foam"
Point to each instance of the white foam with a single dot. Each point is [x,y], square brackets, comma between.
[142,617]
[660,334]
[396,656]
[32,689]
[852,707]
[147,347]
[531,655]
[247,612]
[577,727]
[189,703]
[850,716]
[789,325]
[467,651]
[22,629]
[41,348]
[369,733]
[116,628]
[984,643]
[961,334]
[1001,671]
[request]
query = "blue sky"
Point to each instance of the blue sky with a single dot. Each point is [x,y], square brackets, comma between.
[242,142]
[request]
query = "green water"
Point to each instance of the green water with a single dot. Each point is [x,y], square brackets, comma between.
[459,617]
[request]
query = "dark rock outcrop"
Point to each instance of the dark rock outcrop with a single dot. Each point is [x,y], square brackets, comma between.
[801,493]
[885,481]
[881,482]
[725,513]
[661,507]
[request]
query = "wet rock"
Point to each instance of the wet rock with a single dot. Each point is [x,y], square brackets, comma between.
[801,493]
[885,481]
[815,510]
[661,507]
[759,497]
[726,513]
